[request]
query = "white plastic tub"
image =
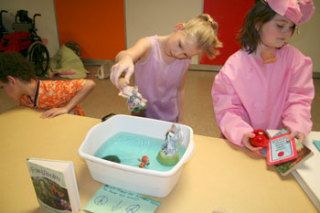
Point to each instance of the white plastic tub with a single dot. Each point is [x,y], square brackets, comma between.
[141,180]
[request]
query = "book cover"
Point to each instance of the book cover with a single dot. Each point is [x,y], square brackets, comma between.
[281,149]
[55,184]
[303,153]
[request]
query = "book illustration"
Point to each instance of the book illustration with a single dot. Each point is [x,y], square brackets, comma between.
[281,149]
[51,194]
[303,153]
[55,185]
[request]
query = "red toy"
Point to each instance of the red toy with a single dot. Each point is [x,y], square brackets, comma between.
[144,161]
[260,139]
[25,40]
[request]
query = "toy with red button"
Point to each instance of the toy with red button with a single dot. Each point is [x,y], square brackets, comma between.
[261,138]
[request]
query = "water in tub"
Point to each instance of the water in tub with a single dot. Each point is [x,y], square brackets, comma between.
[130,149]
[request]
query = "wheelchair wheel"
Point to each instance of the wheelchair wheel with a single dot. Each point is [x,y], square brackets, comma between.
[39,56]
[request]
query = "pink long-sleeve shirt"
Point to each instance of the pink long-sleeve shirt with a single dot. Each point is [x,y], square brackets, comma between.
[248,94]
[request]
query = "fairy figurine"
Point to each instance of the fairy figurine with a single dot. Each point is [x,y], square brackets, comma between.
[169,154]
[136,102]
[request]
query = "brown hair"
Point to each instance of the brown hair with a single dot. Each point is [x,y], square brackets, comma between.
[205,30]
[15,65]
[249,36]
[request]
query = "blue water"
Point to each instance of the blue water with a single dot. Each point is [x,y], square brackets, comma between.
[131,147]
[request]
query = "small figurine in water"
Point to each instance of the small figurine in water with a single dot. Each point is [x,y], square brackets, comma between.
[144,161]
[136,102]
[169,155]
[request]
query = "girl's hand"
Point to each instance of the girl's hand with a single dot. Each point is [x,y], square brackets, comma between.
[245,140]
[298,135]
[126,59]
[124,65]
[54,112]
[295,134]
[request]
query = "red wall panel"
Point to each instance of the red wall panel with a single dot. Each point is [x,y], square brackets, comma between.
[229,15]
[97,25]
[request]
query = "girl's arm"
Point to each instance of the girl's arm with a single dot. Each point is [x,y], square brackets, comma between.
[80,96]
[229,111]
[297,113]
[125,61]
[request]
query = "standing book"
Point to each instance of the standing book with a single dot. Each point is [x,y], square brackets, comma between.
[55,184]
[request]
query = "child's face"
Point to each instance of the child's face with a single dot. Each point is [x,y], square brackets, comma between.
[12,89]
[180,46]
[276,32]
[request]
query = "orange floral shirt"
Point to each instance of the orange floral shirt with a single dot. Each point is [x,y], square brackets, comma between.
[55,94]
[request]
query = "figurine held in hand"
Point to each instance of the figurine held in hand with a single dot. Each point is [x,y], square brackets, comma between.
[136,103]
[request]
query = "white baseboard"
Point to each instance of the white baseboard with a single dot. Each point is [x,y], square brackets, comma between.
[204,67]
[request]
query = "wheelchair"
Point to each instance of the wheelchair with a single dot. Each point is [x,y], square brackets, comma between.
[25,40]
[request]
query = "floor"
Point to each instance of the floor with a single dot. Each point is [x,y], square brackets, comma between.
[198,105]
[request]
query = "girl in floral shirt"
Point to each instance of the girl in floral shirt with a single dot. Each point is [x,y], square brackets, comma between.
[53,97]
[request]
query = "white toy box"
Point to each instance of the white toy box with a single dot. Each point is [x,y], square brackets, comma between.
[140,180]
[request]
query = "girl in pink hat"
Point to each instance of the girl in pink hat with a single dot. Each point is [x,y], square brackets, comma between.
[267,84]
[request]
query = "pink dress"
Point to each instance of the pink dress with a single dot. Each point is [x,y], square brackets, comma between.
[158,82]
[248,94]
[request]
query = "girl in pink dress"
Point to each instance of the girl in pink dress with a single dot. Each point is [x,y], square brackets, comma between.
[160,64]
[267,84]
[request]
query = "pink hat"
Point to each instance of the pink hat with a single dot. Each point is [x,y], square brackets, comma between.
[298,11]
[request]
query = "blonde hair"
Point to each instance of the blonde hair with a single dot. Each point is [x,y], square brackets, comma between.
[204,29]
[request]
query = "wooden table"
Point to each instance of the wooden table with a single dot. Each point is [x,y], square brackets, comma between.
[218,177]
